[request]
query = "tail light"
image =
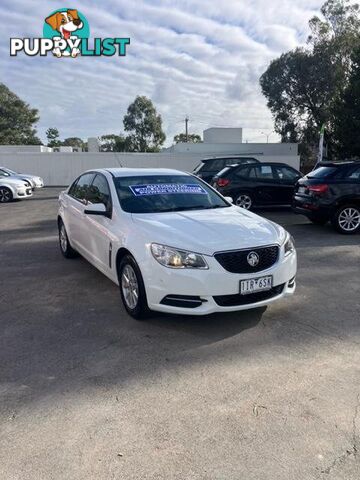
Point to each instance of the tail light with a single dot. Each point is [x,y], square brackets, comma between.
[223,182]
[318,189]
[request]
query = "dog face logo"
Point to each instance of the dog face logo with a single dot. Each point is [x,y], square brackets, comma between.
[67,25]
[65,22]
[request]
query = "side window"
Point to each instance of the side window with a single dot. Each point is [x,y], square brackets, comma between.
[215,165]
[353,174]
[243,172]
[99,191]
[80,190]
[264,172]
[285,173]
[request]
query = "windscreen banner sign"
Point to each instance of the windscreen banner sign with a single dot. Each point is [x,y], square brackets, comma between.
[66,33]
[167,188]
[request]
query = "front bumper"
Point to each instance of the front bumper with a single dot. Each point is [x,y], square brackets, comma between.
[217,288]
[22,193]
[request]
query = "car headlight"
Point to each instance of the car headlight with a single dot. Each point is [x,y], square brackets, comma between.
[289,245]
[174,258]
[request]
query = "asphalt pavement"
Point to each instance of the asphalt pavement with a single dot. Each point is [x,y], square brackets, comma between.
[86,392]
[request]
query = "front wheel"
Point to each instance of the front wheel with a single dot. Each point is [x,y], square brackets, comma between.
[346,219]
[132,289]
[244,200]
[5,195]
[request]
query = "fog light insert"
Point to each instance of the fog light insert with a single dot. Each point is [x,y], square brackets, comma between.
[291,282]
[182,301]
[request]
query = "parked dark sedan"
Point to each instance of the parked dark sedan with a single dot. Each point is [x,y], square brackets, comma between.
[331,192]
[209,167]
[262,184]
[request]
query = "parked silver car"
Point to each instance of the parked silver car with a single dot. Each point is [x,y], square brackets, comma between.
[33,180]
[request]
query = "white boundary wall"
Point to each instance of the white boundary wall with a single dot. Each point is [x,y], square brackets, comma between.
[61,168]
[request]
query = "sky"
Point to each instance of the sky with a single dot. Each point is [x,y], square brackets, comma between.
[195,58]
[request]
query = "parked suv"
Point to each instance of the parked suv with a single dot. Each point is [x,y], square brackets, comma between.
[209,167]
[331,193]
[260,184]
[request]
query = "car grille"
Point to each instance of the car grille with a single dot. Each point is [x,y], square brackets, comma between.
[237,299]
[236,261]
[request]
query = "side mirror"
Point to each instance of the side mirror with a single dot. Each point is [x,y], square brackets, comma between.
[229,199]
[96,209]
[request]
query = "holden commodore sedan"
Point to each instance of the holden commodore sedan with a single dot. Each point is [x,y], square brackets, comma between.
[174,244]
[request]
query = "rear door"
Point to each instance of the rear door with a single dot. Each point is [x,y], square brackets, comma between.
[266,185]
[285,177]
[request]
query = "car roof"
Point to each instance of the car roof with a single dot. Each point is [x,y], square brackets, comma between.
[235,157]
[337,164]
[134,172]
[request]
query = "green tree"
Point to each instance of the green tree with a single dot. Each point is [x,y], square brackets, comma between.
[17,120]
[144,125]
[304,86]
[73,142]
[192,138]
[52,135]
[113,143]
[347,128]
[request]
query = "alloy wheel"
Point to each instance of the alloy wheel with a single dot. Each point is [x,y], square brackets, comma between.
[244,201]
[349,219]
[130,286]
[63,239]
[5,195]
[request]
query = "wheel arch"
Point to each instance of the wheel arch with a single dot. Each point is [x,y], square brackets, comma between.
[9,187]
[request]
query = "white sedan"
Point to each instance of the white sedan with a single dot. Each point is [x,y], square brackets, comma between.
[34,180]
[173,244]
[13,189]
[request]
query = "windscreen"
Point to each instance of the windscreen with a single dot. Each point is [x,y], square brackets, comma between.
[165,193]
[322,172]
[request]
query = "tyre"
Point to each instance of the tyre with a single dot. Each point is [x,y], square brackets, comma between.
[244,200]
[346,219]
[65,247]
[5,195]
[318,220]
[132,289]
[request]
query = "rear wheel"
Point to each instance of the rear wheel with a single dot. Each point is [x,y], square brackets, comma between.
[65,247]
[244,200]
[346,219]
[132,289]
[5,195]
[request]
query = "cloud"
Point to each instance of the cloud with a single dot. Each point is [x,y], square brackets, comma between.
[196,58]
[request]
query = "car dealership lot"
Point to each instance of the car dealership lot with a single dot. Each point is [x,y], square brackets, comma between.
[88,392]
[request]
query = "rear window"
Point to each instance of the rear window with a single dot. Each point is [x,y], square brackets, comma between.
[322,172]
[224,171]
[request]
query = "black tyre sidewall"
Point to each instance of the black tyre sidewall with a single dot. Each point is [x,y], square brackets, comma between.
[11,194]
[141,310]
[335,219]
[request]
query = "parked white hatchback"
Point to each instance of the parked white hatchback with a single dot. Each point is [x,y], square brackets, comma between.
[13,189]
[174,244]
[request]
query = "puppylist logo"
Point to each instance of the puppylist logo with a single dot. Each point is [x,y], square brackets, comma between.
[66,34]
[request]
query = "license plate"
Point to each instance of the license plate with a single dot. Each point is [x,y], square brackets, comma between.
[301,189]
[256,285]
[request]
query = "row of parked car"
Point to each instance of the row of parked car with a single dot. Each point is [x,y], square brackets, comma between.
[17,186]
[331,192]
